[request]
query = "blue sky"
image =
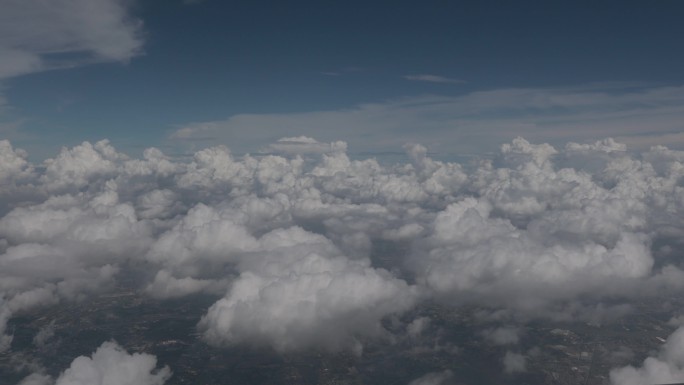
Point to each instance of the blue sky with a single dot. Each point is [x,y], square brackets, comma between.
[458,76]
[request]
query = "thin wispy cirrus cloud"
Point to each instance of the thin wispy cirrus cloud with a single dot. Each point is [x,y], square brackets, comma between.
[433,79]
[638,115]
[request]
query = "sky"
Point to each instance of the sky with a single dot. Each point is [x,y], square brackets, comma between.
[236,150]
[461,77]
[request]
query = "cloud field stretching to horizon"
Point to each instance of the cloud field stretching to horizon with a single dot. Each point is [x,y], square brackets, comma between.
[405,193]
[285,241]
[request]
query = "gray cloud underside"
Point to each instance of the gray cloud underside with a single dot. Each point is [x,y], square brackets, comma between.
[287,242]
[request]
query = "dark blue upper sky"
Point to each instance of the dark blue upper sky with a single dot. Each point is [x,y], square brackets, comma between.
[212,60]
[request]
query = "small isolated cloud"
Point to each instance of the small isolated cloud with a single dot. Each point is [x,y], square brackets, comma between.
[502,336]
[514,363]
[165,286]
[433,79]
[418,326]
[44,334]
[303,145]
[434,378]
[343,71]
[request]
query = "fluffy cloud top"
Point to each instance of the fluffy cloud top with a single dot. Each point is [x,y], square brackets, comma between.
[13,164]
[297,291]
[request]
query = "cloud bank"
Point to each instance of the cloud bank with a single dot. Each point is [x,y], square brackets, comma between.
[310,249]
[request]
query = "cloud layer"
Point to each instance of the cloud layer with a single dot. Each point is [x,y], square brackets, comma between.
[313,250]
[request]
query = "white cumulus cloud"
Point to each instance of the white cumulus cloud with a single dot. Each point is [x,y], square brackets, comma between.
[110,364]
[664,368]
